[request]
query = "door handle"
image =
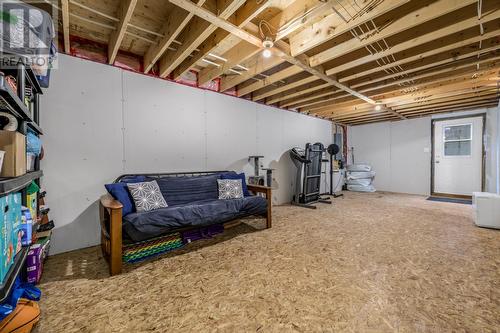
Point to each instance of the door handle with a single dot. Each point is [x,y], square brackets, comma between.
[437,161]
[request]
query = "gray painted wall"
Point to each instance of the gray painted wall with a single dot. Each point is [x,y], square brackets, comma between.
[101,122]
[400,151]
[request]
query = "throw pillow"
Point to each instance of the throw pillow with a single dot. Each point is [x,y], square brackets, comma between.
[230,189]
[147,196]
[120,192]
[234,175]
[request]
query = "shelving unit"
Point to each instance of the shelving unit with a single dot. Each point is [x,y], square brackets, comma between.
[9,185]
[28,118]
[15,269]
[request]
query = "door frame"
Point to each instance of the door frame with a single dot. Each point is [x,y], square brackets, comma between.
[483,153]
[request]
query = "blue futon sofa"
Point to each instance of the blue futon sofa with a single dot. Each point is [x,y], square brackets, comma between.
[193,202]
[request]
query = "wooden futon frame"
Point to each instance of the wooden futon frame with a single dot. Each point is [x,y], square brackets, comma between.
[110,212]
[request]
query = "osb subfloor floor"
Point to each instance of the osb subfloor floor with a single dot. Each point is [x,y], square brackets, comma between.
[369,263]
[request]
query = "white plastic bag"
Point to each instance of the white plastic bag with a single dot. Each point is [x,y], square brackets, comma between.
[362,181]
[361,188]
[360,174]
[359,167]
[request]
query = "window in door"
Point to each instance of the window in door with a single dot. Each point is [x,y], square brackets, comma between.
[457,140]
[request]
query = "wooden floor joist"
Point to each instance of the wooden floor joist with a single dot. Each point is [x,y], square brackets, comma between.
[335,59]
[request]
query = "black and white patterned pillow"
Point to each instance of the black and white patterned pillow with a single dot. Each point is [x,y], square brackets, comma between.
[230,189]
[147,196]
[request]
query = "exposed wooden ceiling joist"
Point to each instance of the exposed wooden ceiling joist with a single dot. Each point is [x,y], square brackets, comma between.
[418,17]
[125,14]
[174,24]
[242,51]
[438,54]
[333,26]
[433,87]
[280,47]
[377,94]
[194,34]
[256,65]
[290,71]
[472,61]
[435,35]
[65,22]
[285,24]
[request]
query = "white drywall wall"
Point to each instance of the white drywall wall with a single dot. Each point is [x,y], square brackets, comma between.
[400,151]
[101,121]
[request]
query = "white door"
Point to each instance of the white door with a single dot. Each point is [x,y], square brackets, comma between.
[458,156]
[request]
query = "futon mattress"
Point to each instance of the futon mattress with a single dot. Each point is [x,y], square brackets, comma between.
[145,225]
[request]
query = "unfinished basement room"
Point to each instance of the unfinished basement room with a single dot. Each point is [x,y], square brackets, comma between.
[249,166]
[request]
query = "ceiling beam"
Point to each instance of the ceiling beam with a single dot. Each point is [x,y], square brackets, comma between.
[458,101]
[472,64]
[299,91]
[413,19]
[434,87]
[442,96]
[303,10]
[295,102]
[422,39]
[483,75]
[311,11]
[125,14]
[281,75]
[293,84]
[310,102]
[333,26]
[456,62]
[376,90]
[431,111]
[176,21]
[218,21]
[427,113]
[240,51]
[432,36]
[320,74]
[280,47]
[65,23]
[256,65]
[345,114]
[194,34]
[362,107]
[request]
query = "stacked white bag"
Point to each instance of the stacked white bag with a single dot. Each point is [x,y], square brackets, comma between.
[360,178]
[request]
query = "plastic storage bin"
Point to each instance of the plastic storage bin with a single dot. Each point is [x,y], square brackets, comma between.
[486,207]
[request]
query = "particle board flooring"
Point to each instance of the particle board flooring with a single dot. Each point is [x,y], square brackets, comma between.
[376,262]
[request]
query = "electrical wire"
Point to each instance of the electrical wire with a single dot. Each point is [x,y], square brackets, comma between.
[269,27]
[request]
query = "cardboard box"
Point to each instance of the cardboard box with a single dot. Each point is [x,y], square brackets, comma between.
[34,262]
[14,162]
[31,202]
[26,227]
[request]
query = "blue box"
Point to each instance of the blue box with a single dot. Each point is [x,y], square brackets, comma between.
[4,265]
[10,231]
[7,250]
[26,227]
[15,217]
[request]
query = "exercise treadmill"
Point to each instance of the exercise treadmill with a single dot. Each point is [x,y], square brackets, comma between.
[308,178]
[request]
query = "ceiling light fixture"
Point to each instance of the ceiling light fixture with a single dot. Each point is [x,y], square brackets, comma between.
[267,43]
[378,107]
